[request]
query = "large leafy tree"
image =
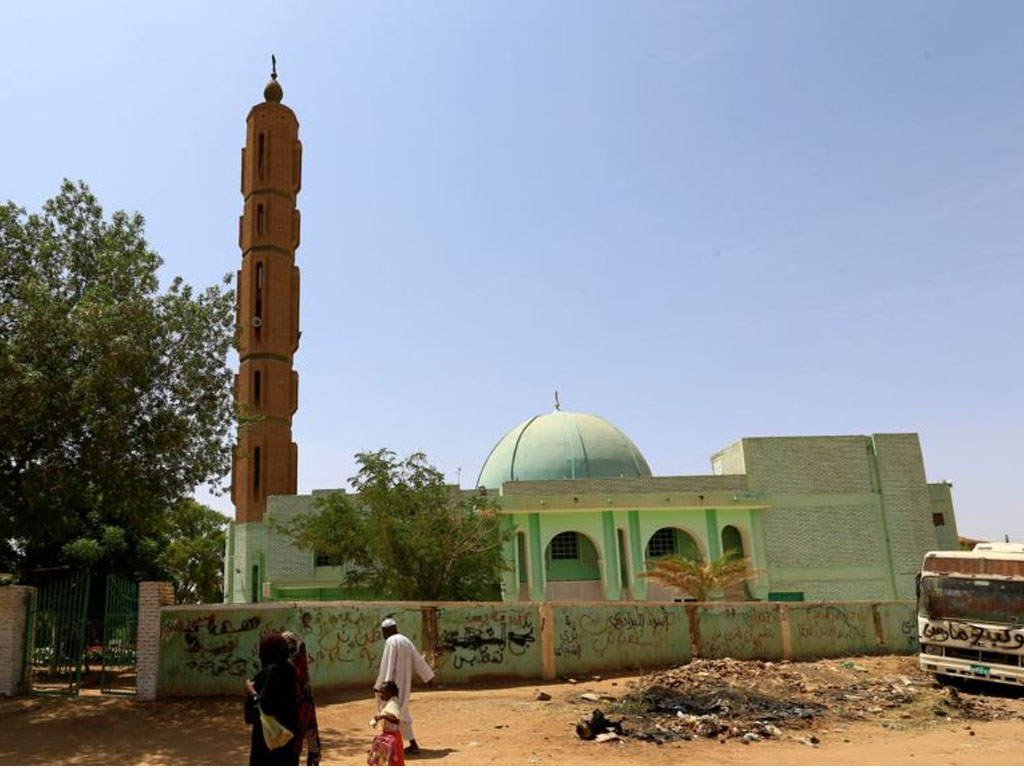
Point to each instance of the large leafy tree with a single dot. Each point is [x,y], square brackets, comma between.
[115,396]
[405,534]
[193,558]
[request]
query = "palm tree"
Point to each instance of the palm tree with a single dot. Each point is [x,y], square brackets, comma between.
[696,578]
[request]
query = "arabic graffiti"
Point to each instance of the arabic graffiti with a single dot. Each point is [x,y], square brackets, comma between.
[599,631]
[340,641]
[341,636]
[215,646]
[741,633]
[832,622]
[975,636]
[486,638]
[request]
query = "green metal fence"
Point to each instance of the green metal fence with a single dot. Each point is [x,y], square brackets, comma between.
[120,630]
[59,624]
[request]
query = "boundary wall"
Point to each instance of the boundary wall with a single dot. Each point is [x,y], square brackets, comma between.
[14,613]
[211,650]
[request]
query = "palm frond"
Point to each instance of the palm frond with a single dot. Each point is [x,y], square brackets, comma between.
[696,578]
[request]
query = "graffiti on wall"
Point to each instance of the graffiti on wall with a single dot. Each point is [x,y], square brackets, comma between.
[975,636]
[599,630]
[830,623]
[343,636]
[488,638]
[750,633]
[218,646]
[908,628]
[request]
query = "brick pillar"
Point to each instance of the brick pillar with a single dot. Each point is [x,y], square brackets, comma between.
[153,595]
[548,670]
[785,631]
[14,602]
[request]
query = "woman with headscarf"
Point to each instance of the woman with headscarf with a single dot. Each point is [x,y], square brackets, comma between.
[272,693]
[309,733]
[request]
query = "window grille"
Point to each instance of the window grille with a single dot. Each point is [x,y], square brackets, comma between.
[662,543]
[566,546]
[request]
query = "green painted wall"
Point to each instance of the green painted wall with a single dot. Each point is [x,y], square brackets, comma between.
[211,650]
[899,620]
[592,637]
[831,629]
[739,631]
[480,641]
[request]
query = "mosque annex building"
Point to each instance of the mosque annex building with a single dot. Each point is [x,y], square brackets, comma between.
[819,518]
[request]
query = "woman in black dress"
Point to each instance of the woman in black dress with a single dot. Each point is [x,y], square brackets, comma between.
[273,690]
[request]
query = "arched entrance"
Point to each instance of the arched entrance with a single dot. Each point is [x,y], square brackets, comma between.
[732,547]
[732,541]
[670,541]
[572,568]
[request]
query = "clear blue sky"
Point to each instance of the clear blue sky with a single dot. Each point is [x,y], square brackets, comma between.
[702,221]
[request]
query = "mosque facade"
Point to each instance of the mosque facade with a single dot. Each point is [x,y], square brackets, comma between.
[817,518]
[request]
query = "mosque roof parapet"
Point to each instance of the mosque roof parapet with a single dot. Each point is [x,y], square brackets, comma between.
[630,485]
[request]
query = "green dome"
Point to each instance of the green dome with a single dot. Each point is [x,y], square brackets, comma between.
[562,445]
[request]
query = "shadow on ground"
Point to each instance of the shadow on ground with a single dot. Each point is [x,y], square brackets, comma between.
[122,731]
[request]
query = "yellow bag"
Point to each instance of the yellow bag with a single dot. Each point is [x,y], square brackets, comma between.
[274,734]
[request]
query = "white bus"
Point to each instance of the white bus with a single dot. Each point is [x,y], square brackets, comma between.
[970,613]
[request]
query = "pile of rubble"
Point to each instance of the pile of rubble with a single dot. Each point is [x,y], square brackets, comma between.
[756,700]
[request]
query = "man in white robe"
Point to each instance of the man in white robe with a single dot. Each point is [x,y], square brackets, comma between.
[397,663]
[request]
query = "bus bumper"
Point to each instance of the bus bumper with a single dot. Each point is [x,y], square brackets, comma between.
[945,665]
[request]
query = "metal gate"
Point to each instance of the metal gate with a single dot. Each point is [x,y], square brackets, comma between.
[120,631]
[58,625]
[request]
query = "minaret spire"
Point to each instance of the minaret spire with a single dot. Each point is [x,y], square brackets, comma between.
[266,388]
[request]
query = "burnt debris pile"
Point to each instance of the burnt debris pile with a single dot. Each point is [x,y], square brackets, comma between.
[758,700]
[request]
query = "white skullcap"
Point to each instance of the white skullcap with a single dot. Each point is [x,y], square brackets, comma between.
[388,622]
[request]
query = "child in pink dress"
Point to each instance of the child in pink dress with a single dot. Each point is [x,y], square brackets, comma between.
[387,747]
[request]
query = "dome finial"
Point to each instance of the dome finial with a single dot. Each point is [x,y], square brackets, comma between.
[273,93]
[558,405]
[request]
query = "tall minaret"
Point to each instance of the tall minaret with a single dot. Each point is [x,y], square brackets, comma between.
[266,460]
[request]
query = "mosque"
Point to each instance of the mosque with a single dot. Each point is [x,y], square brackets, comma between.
[818,518]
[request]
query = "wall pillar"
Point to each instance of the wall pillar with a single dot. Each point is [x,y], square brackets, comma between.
[153,595]
[547,642]
[636,550]
[714,537]
[611,584]
[510,549]
[537,582]
[784,631]
[14,610]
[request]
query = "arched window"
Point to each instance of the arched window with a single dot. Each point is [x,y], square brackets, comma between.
[571,556]
[732,542]
[672,541]
[261,153]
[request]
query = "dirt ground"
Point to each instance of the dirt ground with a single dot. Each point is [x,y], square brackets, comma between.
[507,725]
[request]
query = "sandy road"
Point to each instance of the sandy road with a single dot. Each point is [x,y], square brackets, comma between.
[473,726]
